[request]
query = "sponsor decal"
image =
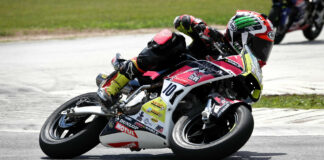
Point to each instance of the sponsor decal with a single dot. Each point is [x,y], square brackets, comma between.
[154,111]
[159,128]
[147,122]
[152,131]
[140,116]
[158,105]
[129,71]
[128,124]
[155,108]
[124,145]
[233,63]
[155,120]
[140,125]
[194,77]
[181,80]
[126,130]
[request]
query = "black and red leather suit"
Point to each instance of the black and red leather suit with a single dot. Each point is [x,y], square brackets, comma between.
[165,49]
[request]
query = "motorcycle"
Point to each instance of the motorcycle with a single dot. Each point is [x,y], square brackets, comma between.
[198,108]
[292,15]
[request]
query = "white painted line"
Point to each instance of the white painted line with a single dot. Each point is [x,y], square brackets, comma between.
[19,131]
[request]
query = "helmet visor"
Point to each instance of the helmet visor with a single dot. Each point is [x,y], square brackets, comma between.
[261,48]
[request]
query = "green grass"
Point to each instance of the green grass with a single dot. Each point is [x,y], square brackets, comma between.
[28,16]
[292,101]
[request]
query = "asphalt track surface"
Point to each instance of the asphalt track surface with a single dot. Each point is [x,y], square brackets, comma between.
[37,76]
[15,145]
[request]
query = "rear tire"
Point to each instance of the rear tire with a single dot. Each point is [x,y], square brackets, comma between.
[188,140]
[78,138]
[313,31]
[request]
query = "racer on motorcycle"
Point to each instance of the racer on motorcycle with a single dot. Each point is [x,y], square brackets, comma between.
[166,48]
[277,9]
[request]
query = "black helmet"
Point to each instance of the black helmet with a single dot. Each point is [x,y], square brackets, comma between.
[253,29]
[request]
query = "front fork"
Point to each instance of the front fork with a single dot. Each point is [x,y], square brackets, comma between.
[217,106]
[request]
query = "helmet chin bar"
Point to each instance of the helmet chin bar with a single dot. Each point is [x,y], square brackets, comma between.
[244,38]
[247,48]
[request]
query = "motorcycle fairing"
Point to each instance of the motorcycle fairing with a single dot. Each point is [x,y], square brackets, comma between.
[154,120]
[252,73]
[196,72]
[232,64]
[178,84]
[193,74]
[126,132]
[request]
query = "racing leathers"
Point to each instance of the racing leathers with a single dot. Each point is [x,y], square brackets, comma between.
[277,11]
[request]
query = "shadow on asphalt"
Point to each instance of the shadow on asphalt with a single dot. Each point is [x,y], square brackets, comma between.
[253,155]
[166,156]
[315,42]
[169,156]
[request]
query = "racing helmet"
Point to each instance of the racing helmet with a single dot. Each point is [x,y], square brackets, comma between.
[254,30]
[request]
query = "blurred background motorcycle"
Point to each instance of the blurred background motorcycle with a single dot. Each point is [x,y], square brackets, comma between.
[292,15]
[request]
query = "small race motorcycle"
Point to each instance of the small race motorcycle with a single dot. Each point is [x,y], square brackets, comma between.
[198,108]
[292,15]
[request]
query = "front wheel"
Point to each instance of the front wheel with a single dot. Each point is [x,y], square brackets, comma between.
[274,17]
[68,137]
[279,37]
[224,137]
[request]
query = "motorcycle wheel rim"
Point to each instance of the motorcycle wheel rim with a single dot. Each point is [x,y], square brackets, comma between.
[193,133]
[60,129]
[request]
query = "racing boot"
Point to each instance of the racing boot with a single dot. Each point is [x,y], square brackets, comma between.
[118,80]
[109,92]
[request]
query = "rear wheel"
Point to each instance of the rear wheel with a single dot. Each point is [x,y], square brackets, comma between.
[313,31]
[224,137]
[68,137]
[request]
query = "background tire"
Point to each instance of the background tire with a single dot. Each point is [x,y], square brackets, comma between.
[227,143]
[312,31]
[279,38]
[274,17]
[84,135]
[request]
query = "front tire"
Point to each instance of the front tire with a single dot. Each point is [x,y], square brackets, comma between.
[279,37]
[229,134]
[67,139]
[274,17]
